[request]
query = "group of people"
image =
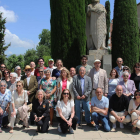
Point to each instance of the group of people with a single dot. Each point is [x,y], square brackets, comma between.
[34,96]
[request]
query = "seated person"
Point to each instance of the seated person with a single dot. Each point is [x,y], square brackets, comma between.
[66,114]
[19,98]
[134,111]
[99,108]
[118,107]
[41,113]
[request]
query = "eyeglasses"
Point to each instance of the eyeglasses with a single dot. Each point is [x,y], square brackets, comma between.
[40,71]
[66,93]
[27,70]
[6,72]
[40,61]
[125,69]
[125,76]
[18,69]
[138,94]
[18,85]
[119,61]
[2,67]
[137,67]
[3,85]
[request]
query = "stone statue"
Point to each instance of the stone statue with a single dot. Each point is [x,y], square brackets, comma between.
[96,26]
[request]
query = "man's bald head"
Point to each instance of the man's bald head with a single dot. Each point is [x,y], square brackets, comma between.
[119,90]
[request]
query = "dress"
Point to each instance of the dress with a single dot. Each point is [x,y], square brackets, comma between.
[48,86]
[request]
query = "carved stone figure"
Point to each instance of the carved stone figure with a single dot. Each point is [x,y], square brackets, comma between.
[96,26]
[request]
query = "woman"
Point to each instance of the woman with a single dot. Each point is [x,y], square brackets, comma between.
[64,82]
[7,77]
[134,111]
[56,72]
[0,75]
[41,112]
[19,98]
[49,87]
[13,77]
[127,85]
[135,76]
[5,99]
[66,114]
[112,82]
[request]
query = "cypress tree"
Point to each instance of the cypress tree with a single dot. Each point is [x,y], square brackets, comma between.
[125,35]
[107,7]
[68,39]
[2,41]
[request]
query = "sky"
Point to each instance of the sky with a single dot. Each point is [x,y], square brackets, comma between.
[25,20]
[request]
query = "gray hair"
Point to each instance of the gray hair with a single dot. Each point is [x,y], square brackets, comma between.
[17,68]
[82,67]
[125,72]
[14,74]
[3,81]
[47,70]
[40,90]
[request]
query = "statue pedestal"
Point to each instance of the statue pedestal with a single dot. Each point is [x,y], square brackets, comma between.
[102,55]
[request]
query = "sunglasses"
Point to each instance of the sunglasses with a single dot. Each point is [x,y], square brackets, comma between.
[6,72]
[125,76]
[27,70]
[137,94]
[18,85]
[66,93]
[125,69]
[40,71]
[18,69]
[3,85]
[137,67]
[2,67]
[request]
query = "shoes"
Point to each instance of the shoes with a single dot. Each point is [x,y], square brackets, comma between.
[78,124]
[121,125]
[0,130]
[90,124]
[71,130]
[59,129]
[96,127]
[113,129]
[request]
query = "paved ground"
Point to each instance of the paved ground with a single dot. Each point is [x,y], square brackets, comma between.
[86,133]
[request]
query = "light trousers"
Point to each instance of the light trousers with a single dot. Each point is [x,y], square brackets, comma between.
[120,114]
[134,116]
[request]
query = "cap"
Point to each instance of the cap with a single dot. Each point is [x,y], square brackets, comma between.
[51,59]
[97,60]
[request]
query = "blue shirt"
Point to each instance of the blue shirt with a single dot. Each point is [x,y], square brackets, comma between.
[102,104]
[119,71]
[82,83]
[56,73]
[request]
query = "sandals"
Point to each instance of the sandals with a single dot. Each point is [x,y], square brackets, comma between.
[133,129]
[11,131]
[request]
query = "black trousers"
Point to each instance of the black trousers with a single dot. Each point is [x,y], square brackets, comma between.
[64,126]
[3,120]
[44,124]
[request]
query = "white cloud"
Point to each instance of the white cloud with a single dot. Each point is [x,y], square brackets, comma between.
[16,41]
[8,14]
[10,52]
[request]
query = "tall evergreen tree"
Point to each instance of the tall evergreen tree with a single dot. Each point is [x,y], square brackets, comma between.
[2,41]
[68,39]
[125,35]
[107,7]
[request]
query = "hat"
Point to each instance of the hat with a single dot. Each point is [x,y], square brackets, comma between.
[51,59]
[97,60]
[27,67]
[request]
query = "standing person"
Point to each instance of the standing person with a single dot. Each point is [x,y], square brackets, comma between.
[41,112]
[134,111]
[99,78]
[19,98]
[39,78]
[135,76]
[82,88]
[2,68]
[99,109]
[72,72]
[51,65]
[41,64]
[18,71]
[66,114]
[112,82]
[7,77]
[84,60]
[56,72]
[64,82]
[119,68]
[126,68]
[49,87]
[13,77]
[127,85]
[0,75]
[118,107]
[5,99]
[31,85]
[32,65]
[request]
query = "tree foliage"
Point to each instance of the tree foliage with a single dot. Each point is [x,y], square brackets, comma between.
[125,35]
[68,39]
[3,48]
[107,7]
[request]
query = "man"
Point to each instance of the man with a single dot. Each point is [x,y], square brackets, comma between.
[39,78]
[99,78]
[118,106]
[119,68]
[82,88]
[99,109]
[32,65]
[84,60]
[13,77]
[72,72]
[41,64]
[51,65]
[18,71]
[31,85]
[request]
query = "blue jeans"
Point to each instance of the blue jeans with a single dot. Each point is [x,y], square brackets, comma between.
[96,117]
[86,107]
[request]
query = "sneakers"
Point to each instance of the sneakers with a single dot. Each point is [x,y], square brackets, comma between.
[121,125]
[96,127]
[71,130]
[59,128]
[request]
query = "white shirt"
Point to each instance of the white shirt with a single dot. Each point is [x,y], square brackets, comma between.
[66,109]
[28,80]
[96,79]
[32,73]
[18,78]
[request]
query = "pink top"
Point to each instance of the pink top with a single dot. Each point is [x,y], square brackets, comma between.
[64,84]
